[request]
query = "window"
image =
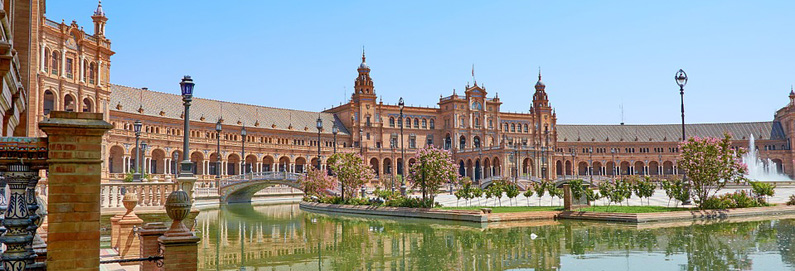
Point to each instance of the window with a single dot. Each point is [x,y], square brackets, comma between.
[432,126]
[506,128]
[416,123]
[461,123]
[49,102]
[525,128]
[367,121]
[412,142]
[424,124]
[477,106]
[513,128]
[429,140]
[47,59]
[55,63]
[92,71]
[393,141]
[69,73]
[491,124]
[368,136]
[391,122]
[408,123]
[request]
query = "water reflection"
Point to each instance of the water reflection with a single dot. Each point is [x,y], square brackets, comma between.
[285,238]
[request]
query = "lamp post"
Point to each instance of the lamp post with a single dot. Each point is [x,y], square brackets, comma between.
[218,150]
[334,131]
[681,80]
[137,173]
[573,153]
[186,167]
[361,143]
[613,154]
[590,163]
[243,150]
[143,159]
[319,127]
[402,150]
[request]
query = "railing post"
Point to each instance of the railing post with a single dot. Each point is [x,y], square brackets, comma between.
[147,237]
[18,239]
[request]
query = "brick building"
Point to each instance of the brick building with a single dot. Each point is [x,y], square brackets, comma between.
[73,75]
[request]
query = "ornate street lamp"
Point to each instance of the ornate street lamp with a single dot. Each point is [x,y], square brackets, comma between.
[243,150]
[402,150]
[334,131]
[137,173]
[573,162]
[186,167]
[143,159]
[218,149]
[681,80]
[319,127]
[590,163]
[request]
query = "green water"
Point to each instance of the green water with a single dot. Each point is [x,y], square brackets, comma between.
[283,237]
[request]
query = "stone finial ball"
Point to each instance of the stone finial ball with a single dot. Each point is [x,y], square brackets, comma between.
[178,205]
[130,200]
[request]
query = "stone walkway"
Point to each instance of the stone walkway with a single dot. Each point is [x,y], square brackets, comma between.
[659,199]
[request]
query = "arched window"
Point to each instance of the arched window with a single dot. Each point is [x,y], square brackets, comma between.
[416,123]
[424,123]
[525,128]
[462,144]
[47,59]
[85,69]
[407,122]
[432,126]
[55,62]
[506,128]
[49,102]
[461,123]
[92,72]
[87,105]
[476,141]
[391,122]
[69,103]
[477,123]
[513,127]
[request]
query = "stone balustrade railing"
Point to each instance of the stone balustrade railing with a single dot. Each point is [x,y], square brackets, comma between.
[149,194]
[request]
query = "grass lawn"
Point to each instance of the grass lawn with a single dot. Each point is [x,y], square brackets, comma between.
[511,209]
[631,209]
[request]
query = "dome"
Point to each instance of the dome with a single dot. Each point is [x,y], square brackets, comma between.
[363,66]
[540,85]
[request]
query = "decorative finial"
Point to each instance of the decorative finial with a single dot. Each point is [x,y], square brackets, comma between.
[363,54]
[99,11]
[496,95]
[539,73]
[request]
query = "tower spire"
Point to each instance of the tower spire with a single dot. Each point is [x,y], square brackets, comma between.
[539,73]
[99,20]
[363,57]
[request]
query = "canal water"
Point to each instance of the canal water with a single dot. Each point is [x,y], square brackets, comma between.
[282,237]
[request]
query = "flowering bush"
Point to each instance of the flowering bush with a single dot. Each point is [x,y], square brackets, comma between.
[317,182]
[709,164]
[434,168]
[351,170]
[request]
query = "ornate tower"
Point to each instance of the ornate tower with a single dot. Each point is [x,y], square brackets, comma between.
[364,118]
[99,20]
[544,132]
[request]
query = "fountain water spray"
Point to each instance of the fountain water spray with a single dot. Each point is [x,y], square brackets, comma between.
[758,170]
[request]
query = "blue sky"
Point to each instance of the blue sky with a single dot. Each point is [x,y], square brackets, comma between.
[594,55]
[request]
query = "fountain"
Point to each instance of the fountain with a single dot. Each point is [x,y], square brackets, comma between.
[759,170]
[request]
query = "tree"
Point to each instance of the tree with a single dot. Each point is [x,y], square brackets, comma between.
[317,182]
[434,168]
[540,188]
[477,193]
[511,190]
[351,170]
[709,163]
[527,194]
[644,189]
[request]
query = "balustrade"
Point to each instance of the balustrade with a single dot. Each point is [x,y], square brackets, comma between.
[149,194]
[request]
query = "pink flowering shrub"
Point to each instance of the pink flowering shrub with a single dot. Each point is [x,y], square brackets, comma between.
[709,163]
[434,168]
[317,182]
[351,170]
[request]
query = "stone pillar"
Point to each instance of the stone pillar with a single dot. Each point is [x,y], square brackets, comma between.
[147,237]
[75,161]
[128,245]
[179,245]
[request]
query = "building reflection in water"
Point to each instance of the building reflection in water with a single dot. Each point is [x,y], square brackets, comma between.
[282,237]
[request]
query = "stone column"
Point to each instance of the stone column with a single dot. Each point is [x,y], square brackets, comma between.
[147,237]
[75,161]
[179,245]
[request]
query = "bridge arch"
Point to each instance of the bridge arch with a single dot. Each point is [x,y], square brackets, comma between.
[241,188]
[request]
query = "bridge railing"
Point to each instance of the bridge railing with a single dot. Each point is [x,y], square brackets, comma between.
[255,176]
[149,194]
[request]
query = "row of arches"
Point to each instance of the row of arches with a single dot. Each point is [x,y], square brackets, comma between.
[426,123]
[477,169]
[158,161]
[610,168]
[69,104]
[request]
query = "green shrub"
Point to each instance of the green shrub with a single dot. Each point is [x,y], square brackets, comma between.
[716,203]
[763,188]
[739,199]
[791,200]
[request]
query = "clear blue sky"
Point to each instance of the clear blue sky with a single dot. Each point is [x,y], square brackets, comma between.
[594,55]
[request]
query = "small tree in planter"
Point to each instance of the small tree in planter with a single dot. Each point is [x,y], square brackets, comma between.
[317,182]
[477,193]
[511,190]
[644,189]
[352,172]
[527,194]
[540,188]
[434,167]
[763,190]
[709,164]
